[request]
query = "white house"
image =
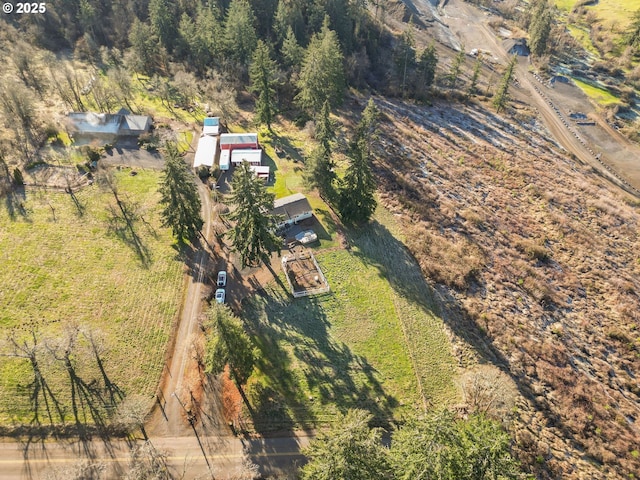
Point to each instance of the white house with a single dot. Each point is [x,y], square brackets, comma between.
[291,209]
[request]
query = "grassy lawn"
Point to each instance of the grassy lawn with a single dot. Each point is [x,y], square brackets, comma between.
[84,270]
[618,12]
[600,95]
[373,343]
[581,34]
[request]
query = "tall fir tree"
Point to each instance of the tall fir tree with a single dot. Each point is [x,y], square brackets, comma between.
[357,193]
[456,66]
[240,38]
[319,167]
[252,234]
[179,197]
[350,450]
[164,22]
[322,75]
[228,344]
[502,95]
[540,27]
[262,74]
[291,51]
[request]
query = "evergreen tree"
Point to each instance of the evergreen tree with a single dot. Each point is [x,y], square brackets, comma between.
[319,167]
[357,194]
[322,74]
[350,450]
[444,447]
[262,73]
[427,65]
[240,37]
[456,67]
[164,18]
[228,344]
[406,55]
[502,95]
[252,235]
[146,49]
[291,51]
[179,197]
[540,27]
[475,76]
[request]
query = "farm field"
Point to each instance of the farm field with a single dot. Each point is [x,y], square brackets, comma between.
[72,277]
[372,343]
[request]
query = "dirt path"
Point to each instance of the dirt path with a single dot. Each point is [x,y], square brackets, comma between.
[176,388]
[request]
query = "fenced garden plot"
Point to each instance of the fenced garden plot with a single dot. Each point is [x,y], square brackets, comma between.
[304,275]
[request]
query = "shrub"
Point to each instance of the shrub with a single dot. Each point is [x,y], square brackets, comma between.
[18,179]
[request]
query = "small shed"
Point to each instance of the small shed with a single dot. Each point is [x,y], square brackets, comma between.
[291,209]
[224,159]
[211,126]
[233,141]
[261,171]
[517,46]
[206,151]
[254,157]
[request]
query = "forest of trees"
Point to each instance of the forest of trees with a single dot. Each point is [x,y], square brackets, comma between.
[320,46]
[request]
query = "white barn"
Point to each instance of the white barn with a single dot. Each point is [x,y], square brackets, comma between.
[254,157]
[206,151]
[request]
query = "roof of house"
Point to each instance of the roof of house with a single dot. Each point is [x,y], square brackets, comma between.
[135,122]
[206,151]
[291,206]
[106,123]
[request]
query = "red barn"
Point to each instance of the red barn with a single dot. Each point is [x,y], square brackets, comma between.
[233,141]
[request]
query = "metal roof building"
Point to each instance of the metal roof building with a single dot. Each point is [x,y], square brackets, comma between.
[206,151]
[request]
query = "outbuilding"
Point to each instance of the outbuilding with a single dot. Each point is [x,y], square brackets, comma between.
[254,157]
[233,141]
[224,160]
[291,209]
[261,171]
[206,151]
[211,126]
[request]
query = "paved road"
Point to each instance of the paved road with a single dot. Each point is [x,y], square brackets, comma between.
[225,456]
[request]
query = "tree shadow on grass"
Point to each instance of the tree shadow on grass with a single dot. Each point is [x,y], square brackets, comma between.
[14,202]
[122,222]
[299,354]
[378,247]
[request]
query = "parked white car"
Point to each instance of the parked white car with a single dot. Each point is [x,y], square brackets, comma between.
[222,278]
[220,295]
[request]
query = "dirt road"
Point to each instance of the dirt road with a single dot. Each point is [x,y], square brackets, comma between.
[470,26]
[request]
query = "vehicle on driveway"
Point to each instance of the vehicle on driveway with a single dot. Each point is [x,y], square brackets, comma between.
[306,237]
[220,295]
[222,278]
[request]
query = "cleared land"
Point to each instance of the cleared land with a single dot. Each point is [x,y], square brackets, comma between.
[372,343]
[62,270]
[537,262]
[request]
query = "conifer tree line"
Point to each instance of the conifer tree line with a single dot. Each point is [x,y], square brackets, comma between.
[319,46]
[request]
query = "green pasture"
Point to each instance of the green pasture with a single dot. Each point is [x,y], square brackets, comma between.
[600,95]
[374,342]
[80,268]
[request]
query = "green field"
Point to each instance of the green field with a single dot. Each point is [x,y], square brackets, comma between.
[372,343]
[610,12]
[600,95]
[86,272]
